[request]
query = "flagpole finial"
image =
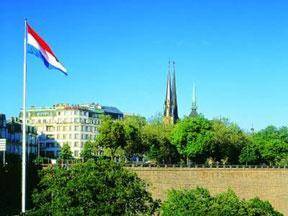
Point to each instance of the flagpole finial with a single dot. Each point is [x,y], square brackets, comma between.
[25,24]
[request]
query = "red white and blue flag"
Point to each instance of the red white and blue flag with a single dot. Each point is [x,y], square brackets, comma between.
[37,46]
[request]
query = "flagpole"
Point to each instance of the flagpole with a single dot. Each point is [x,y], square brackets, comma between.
[24,125]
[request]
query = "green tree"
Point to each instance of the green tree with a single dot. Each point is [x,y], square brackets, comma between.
[192,137]
[250,154]
[111,135]
[283,161]
[156,138]
[99,187]
[89,150]
[65,152]
[199,202]
[135,120]
[257,207]
[186,202]
[122,137]
[227,203]
[200,139]
[269,146]
[227,141]
[10,184]
[133,126]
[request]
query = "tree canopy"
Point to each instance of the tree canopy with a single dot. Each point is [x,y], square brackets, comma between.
[10,184]
[99,187]
[111,135]
[65,152]
[227,141]
[133,128]
[191,136]
[268,146]
[156,138]
[89,150]
[199,139]
[195,139]
[200,202]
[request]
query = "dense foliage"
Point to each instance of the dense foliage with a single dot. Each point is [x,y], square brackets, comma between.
[156,137]
[65,152]
[133,137]
[192,137]
[10,184]
[200,202]
[111,135]
[268,146]
[199,139]
[192,140]
[89,151]
[99,187]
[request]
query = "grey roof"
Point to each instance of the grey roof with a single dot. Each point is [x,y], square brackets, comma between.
[109,109]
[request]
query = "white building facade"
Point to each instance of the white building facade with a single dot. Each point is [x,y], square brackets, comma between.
[64,123]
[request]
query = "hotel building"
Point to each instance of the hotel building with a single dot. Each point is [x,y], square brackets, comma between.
[71,124]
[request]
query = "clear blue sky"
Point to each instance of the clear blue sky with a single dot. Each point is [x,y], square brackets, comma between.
[116,53]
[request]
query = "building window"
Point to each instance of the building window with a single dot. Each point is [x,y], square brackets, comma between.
[76,153]
[49,128]
[50,136]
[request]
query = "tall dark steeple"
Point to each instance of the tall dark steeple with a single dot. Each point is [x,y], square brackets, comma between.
[171,108]
[168,99]
[174,97]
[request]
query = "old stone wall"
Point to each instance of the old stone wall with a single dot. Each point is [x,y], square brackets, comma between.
[266,183]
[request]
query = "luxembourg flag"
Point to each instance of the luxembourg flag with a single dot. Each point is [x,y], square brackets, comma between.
[37,46]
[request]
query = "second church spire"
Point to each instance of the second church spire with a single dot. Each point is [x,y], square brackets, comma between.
[171,107]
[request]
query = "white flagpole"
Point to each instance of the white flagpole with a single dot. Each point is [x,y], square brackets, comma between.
[24,125]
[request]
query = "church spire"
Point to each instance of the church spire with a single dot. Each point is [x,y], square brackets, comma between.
[168,99]
[194,102]
[174,97]
[171,107]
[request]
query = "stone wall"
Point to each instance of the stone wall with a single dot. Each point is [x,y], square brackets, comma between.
[266,183]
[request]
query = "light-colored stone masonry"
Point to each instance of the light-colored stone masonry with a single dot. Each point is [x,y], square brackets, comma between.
[266,183]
